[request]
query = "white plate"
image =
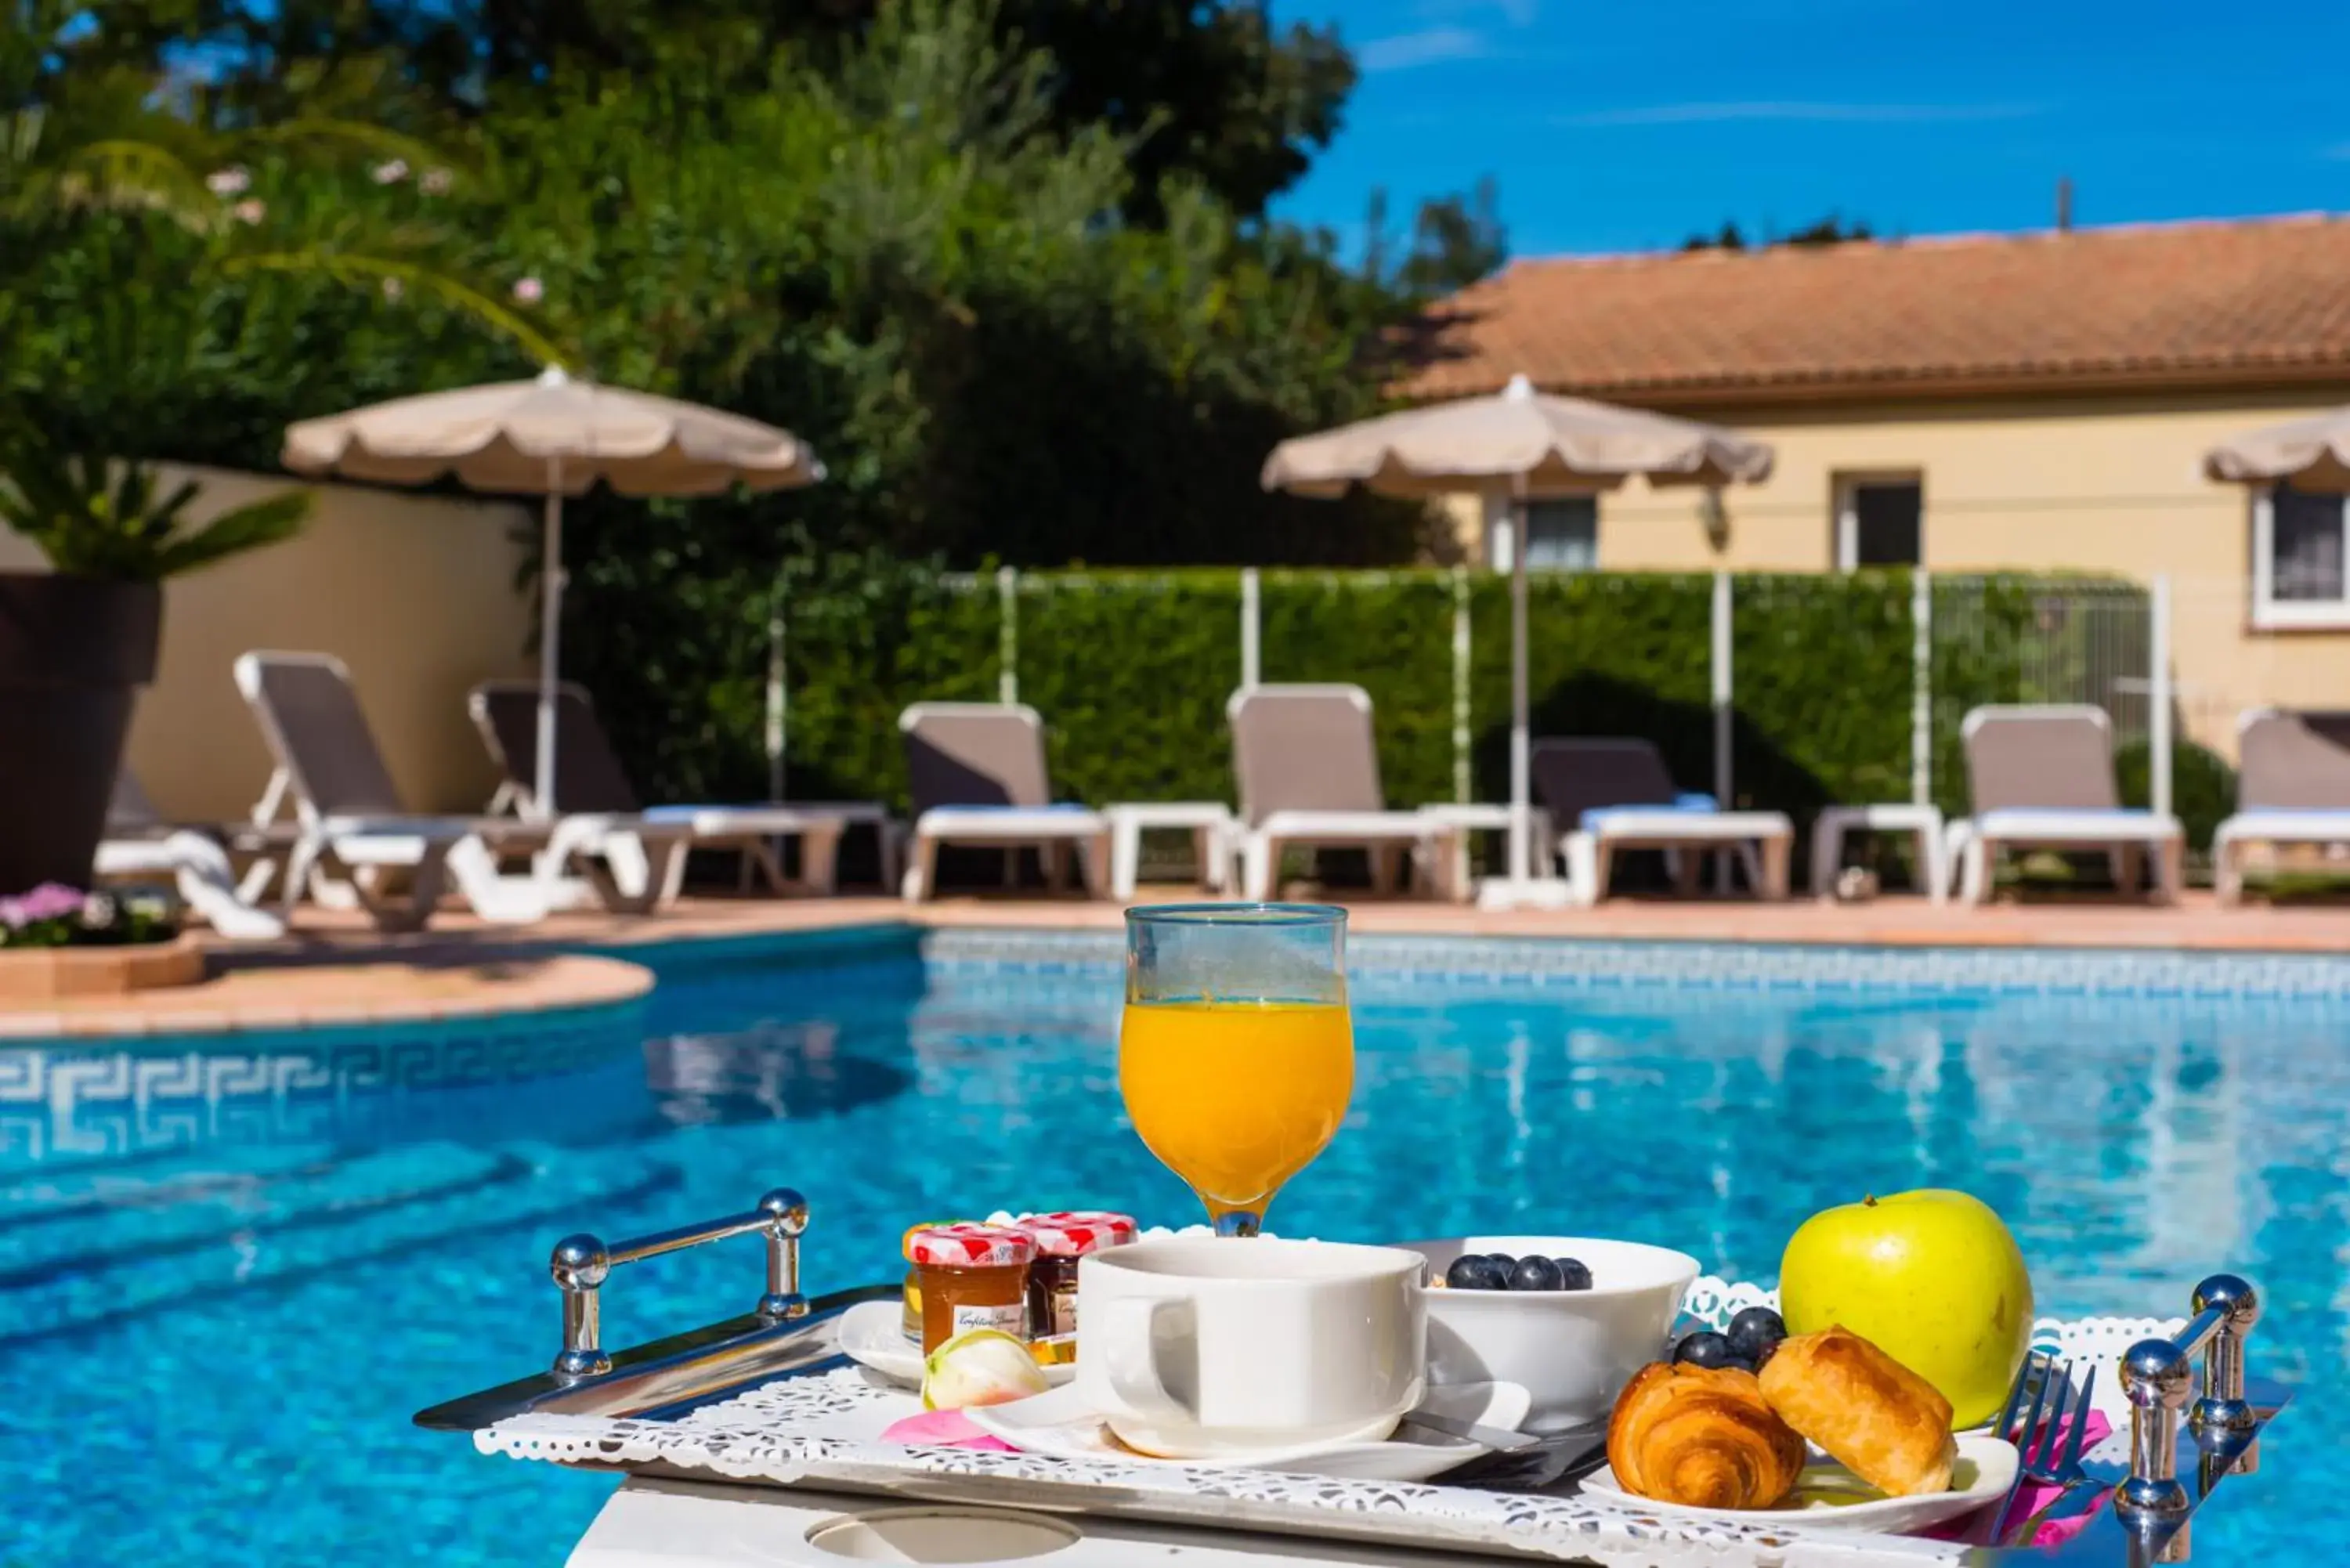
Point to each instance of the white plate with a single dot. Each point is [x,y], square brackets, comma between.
[1985,1469]
[1059,1424]
[872,1335]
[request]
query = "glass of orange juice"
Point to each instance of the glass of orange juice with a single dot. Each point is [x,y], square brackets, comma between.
[1236,1056]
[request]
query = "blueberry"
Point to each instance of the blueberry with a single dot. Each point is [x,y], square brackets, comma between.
[1573,1275]
[1704,1348]
[1473,1272]
[1755,1332]
[1536,1274]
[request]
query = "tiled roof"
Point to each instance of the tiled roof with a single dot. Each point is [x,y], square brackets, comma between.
[2157,305]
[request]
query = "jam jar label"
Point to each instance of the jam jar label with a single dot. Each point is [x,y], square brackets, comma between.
[1065,1315]
[1012,1317]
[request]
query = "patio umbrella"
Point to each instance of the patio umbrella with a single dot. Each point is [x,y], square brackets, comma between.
[2313,453]
[552,437]
[1525,441]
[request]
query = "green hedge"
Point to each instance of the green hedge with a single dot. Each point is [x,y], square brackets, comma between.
[1131,671]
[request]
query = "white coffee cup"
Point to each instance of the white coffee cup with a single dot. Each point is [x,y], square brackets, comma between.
[1200,1346]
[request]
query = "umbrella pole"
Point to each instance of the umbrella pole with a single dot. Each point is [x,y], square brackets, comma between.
[1521,764]
[550,637]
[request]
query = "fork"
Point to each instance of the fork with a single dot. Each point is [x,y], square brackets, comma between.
[2048,1451]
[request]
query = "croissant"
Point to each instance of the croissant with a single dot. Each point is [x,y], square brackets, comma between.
[1872,1415]
[1701,1436]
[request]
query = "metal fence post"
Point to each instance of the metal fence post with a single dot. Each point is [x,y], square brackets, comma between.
[1722,689]
[1461,759]
[2157,717]
[1007,647]
[1251,631]
[1723,715]
[1921,688]
[776,701]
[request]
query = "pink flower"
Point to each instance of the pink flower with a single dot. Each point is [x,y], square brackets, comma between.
[389,173]
[250,211]
[227,183]
[529,290]
[46,902]
[435,183]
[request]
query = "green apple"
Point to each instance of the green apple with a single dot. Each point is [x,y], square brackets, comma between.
[1931,1278]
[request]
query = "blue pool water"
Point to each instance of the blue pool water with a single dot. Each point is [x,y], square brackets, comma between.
[230,1271]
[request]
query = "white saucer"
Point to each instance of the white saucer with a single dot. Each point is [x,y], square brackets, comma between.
[1060,1424]
[1985,1469]
[872,1335]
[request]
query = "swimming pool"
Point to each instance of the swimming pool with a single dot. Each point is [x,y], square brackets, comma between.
[231,1270]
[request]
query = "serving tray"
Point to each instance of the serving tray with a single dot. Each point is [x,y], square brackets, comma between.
[767,1400]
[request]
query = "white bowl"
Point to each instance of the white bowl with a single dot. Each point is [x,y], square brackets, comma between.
[1572,1350]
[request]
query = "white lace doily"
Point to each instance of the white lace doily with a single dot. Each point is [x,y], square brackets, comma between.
[824,1429]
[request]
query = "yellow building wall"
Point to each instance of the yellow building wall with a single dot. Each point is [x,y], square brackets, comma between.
[2106,485]
[415,594]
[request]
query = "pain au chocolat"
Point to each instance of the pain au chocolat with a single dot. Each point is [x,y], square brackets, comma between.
[1869,1413]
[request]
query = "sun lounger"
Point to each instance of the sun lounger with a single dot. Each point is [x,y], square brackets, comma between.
[978,776]
[1308,769]
[589,777]
[2042,778]
[139,843]
[1609,795]
[2292,786]
[348,813]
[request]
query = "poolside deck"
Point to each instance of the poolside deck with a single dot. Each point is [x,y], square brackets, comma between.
[335,970]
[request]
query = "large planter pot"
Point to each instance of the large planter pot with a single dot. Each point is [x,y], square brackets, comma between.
[29,975]
[73,653]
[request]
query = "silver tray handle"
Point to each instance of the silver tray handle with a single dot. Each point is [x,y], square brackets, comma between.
[2158,1375]
[581,1263]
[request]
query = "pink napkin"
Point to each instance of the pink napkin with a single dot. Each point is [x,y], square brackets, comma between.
[2037,1495]
[943,1429]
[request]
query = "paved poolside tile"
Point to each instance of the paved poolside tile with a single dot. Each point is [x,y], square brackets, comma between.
[334,969]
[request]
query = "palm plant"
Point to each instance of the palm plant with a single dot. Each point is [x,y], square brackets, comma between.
[322,188]
[94,518]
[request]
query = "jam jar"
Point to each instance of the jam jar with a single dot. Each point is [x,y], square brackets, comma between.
[1061,1240]
[970,1276]
[909,1317]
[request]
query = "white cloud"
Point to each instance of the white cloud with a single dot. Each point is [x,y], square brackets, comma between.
[1427,48]
[1824,113]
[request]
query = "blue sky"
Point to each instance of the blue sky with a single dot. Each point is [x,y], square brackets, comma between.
[1618,125]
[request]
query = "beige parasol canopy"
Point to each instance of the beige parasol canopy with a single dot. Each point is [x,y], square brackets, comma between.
[2313,453]
[552,437]
[510,437]
[1523,441]
[1517,434]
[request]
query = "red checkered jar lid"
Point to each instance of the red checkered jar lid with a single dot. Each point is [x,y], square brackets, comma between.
[970,1247]
[1074,1234]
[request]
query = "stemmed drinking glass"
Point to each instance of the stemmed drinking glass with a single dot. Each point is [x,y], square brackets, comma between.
[1237,1055]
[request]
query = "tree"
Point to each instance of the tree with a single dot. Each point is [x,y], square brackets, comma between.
[135,231]
[1829,231]
[1207,91]
[1016,331]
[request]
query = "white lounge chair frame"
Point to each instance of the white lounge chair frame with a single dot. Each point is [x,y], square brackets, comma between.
[754,830]
[434,851]
[2268,826]
[1404,845]
[1051,830]
[139,843]
[1764,841]
[1972,843]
